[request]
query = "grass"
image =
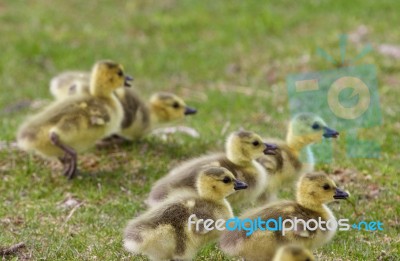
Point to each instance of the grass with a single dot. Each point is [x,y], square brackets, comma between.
[228,60]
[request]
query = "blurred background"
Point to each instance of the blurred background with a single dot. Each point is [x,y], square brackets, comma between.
[228,59]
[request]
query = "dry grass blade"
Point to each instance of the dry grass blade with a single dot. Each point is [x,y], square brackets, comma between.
[71,213]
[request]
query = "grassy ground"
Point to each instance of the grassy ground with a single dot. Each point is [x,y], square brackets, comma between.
[228,60]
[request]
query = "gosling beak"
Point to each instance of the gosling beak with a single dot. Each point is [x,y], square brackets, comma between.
[189,111]
[340,194]
[270,150]
[330,133]
[238,185]
[128,79]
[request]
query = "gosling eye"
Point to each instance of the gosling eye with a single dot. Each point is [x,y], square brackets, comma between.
[120,73]
[176,105]
[326,187]
[227,180]
[316,126]
[256,143]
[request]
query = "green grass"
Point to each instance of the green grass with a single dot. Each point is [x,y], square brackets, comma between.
[228,60]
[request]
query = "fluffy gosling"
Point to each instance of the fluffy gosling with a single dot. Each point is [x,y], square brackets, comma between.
[314,191]
[241,150]
[140,118]
[293,253]
[70,83]
[74,124]
[285,166]
[163,233]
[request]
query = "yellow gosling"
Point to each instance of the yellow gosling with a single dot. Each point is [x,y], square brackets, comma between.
[75,123]
[293,253]
[163,231]
[314,191]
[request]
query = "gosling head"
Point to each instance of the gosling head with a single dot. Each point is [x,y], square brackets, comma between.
[217,183]
[308,128]
[315,189]
[168,107]
[293,253]
[107,76]
[245,146]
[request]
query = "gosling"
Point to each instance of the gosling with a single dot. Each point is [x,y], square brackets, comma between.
[293,253]
[241,150]
[140,118]
[163,232]
[314,190]
[70,83]
[285,166]
[74,124]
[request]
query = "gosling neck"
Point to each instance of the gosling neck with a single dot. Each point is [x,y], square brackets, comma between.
[296,143]
[309,203]
[211,195]
[99,89]
[157,116]
[154,117]
[238,158]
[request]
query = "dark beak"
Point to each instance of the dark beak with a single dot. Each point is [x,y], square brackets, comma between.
[238,185]
[190,111]
[340,194]
[128,79]
[330,133]
[270,150]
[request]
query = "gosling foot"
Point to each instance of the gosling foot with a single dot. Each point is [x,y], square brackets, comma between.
[69,160]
